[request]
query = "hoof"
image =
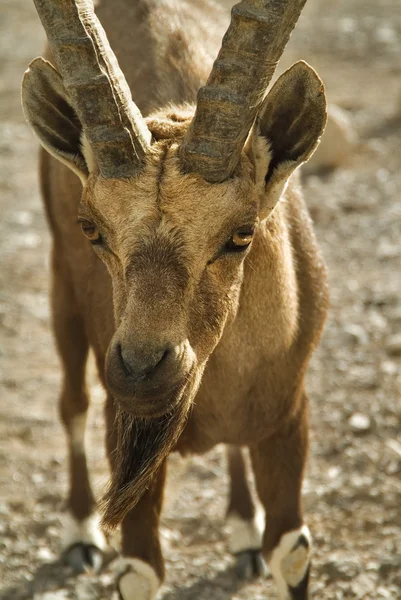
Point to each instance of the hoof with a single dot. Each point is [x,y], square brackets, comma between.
[290,563]
[250,565]
[84,558]
[84,544]
[137,581]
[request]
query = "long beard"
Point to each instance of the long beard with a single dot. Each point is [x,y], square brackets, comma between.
[142,446]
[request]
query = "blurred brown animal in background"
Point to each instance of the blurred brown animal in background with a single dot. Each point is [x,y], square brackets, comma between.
[197,280]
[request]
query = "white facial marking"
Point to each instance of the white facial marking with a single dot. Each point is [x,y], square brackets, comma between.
[77,434]
[288,564]
[244,535]
[87,531]
[139,581]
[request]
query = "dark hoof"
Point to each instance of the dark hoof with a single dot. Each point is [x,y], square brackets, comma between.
[84,558]
[250,564]
[301,591]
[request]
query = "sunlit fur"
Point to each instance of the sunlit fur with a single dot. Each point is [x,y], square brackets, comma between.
[163,254]
[164,231]
[242,325]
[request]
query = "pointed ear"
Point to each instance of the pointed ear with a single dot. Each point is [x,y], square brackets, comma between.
[287,130]
[49,113]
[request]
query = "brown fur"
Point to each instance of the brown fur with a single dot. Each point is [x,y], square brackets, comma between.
[243,325]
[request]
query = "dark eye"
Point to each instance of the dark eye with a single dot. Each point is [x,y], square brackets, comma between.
[240,240]
[90,231]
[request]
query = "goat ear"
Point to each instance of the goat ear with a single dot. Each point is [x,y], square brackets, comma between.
[287,130]
[49,113]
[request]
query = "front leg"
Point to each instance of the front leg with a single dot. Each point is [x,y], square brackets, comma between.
[278,464]
[244,529]
[141,566]
[142,560]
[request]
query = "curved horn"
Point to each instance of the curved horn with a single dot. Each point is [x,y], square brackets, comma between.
[99,93]
[228,103]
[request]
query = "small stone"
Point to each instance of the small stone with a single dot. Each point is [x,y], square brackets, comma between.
[107,579]
[377,321]
[86,590]
[22,217]
[394,314]
[384,593]
[4,509]
[364,377]
[341,566]
[388,250]
[355,334]
[393,345]
[310,498]
[395,446]
[37,478]
[359,423]
[389,565]
[363,584]
[389,367]
[45,554]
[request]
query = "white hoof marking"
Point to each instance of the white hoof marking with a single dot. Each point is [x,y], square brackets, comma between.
[289,561]
[138,581]
[86,532]
[243,535]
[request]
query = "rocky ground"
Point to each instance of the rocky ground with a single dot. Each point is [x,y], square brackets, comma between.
[353,487]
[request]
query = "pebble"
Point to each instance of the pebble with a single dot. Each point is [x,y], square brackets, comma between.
[363,376]
[22,217]
[61,594]
[387,250]
[395,314]
[363,584]
[359,423]
[86,590]
[45,554]
[355,334]
[384,593]
[4,509]
[388,565]
[341,566]
[389,367]
[393,345]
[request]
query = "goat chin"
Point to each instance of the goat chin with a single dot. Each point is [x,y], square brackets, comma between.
[143,445]
[151,407]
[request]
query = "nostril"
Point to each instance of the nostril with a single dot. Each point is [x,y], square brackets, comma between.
[139,365]
[157,359]
[163,355]
[126,366]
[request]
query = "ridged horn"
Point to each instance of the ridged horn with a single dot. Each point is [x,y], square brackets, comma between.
[228,103]
[99,93]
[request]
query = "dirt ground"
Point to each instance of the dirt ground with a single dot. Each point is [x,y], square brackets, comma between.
[353,486]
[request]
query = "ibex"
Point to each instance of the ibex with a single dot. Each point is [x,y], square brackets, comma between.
[197,280]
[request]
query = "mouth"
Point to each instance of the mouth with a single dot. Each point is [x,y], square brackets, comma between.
[147,399]
[151,404]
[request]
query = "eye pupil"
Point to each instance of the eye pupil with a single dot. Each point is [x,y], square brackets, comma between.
[240,240]
[90,231]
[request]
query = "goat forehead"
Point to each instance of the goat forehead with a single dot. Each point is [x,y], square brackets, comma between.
[163,252]
[185,208]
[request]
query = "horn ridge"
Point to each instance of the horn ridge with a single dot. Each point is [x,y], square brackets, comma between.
[228,103]
[96,86]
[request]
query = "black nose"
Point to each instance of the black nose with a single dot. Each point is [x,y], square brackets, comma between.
[142,364]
